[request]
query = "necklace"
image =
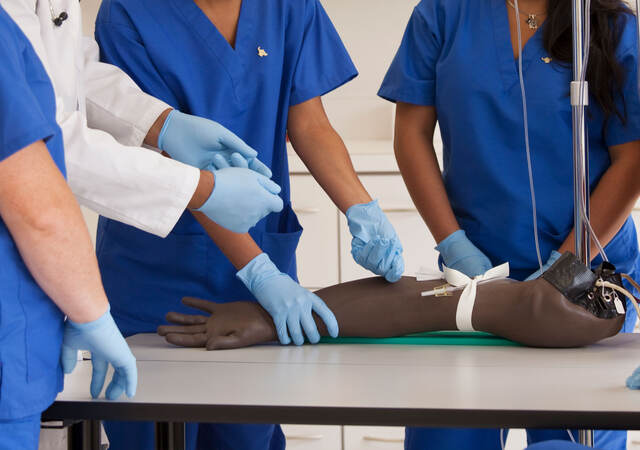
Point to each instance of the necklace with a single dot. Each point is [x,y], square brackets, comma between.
[532,19]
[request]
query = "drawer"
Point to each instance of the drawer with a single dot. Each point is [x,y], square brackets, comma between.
[373,438]
[317,253]
[311,437]
[416,239]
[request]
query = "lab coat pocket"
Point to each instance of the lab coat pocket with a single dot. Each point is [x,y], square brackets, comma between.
[281,245]
[43,329]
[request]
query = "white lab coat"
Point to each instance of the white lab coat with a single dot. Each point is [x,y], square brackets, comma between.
[104,118]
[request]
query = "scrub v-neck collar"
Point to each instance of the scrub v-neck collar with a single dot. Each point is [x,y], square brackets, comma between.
[233,60]
[532,50]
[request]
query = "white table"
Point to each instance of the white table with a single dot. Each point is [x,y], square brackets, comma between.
[439,386]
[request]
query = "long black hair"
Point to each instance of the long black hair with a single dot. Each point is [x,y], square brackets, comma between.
[605,75]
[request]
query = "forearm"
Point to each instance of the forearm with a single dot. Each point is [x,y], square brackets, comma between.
[326,156]
[611,204]
[419,167]
[240,249]
[46,223]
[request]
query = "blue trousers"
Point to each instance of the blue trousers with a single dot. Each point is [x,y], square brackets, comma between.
[199,436]
[20,434]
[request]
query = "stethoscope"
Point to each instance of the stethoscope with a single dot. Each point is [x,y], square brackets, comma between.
[59,19]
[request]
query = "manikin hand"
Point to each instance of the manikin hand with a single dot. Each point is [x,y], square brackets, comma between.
[229,325]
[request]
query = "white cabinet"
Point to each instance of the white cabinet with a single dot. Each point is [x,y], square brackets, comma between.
[317,254]
[313,437]
[373,438]
[395,201]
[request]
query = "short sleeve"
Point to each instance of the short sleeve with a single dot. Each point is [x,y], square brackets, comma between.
[324,63]
[618,132]
[412,75]
[22,121]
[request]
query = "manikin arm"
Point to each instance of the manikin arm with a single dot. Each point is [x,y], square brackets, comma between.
[533,313]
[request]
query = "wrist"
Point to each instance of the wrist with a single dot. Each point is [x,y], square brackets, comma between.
[258,270]
[153,134]
[203,190]
[91,313]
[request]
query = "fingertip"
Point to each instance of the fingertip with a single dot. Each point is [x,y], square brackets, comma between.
[237,160]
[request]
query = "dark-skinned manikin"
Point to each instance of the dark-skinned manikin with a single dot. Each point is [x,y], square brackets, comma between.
[564,308]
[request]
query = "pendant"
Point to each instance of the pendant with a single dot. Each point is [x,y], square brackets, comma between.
[532,22]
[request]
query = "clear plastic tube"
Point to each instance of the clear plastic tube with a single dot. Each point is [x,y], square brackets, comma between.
[526,139]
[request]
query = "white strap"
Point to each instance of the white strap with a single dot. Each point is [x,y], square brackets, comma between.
[467,300]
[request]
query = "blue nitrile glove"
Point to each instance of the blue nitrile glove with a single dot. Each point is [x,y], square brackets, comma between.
[201,143]
[289,304]
[241,198]
[375,244]
[459,253]
[107,346]
[633,382]
[550,262]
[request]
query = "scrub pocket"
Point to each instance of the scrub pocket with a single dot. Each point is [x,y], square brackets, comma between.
[281,245]
[44,324]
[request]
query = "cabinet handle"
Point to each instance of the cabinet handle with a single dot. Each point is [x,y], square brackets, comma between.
[302,437]
[381,439]
[306,210]
[399,210]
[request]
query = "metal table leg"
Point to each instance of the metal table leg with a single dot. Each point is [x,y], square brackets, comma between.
[84,436]
[170,436]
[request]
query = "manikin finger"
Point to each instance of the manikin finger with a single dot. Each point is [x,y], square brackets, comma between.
[98,375]
[198,303]
[187,340]
[163,330]
[225,342]
[186,319]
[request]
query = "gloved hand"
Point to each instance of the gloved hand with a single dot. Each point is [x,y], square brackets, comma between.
[107,346]
[459,253]
[633,382]
[241,198]
[550,262]
[205,144]
[289,304]
[375,244]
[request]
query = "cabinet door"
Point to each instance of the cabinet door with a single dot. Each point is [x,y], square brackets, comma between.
[313,437]
[318,250]
[373,438]
[416,239]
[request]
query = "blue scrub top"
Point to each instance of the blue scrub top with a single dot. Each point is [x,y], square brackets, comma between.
[173,51]
[30,323]
[456,55]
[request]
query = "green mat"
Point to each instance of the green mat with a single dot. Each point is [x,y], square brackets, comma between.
[432,338]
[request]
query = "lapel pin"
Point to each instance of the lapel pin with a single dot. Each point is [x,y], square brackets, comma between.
[261,52]
[546,59]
